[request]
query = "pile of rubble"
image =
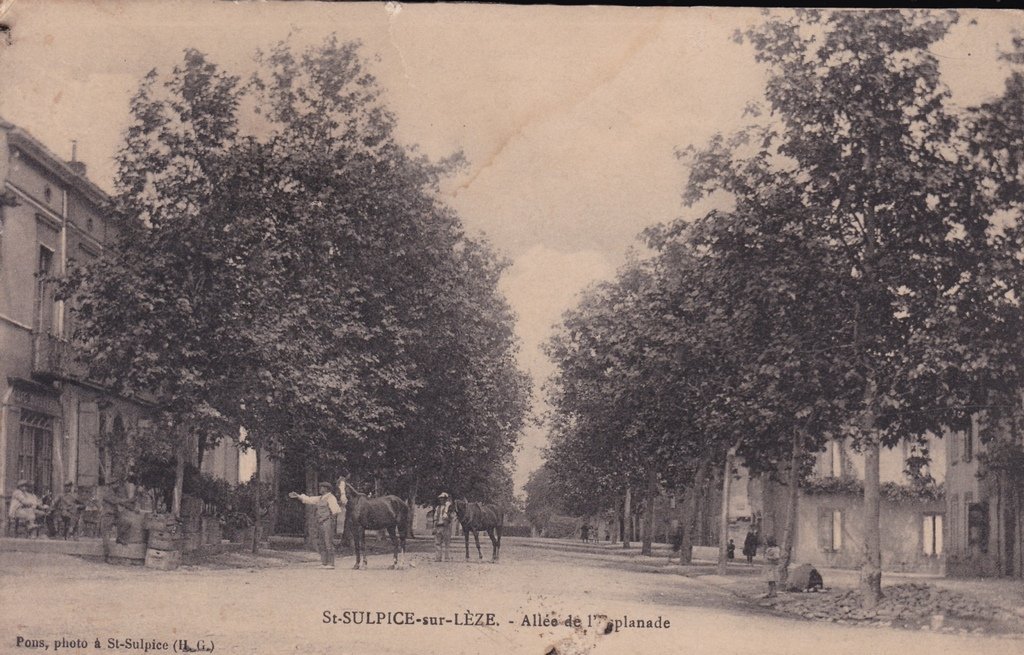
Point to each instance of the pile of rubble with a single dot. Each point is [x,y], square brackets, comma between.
[912,605]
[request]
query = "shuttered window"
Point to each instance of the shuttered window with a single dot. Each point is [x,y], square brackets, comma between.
[931,534]
[830,529]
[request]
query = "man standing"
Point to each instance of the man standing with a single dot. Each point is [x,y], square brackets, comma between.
[443,516]
[750,544]
[326,510]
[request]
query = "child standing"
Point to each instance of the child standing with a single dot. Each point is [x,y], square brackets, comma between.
[772,554]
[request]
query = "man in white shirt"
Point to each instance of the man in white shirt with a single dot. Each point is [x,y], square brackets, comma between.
[326,510]
[443,518]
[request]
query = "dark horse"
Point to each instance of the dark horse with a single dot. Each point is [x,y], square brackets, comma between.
[481,516]
[385,513]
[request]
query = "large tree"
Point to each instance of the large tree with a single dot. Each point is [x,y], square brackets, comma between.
[286,265]
[861,125]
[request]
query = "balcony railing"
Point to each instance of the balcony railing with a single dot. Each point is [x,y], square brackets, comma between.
[52,358]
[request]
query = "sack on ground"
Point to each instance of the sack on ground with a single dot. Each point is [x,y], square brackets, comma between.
[804,578]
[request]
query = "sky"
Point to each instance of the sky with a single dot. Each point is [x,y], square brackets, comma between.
[570,117]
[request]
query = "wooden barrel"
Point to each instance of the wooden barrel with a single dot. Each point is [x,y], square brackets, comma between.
[130,528]
[165,540]
[163,560]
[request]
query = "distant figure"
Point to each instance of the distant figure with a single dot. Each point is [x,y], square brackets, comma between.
[730,550]
[750,545]
[68,510]
[677,544]
[443,528]
[585,533]
[327,510]
[772,554]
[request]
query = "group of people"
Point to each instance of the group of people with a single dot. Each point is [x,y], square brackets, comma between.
[63,516]
[59,517]
[330,511]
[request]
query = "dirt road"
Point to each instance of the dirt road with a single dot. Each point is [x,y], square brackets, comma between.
[283,609]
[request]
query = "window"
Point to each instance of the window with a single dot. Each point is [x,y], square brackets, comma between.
[35,450]
[46,308]
[977,527]
[954,523]
[954,447]
[931,535]
[837,459]
[969,442]
[830,529]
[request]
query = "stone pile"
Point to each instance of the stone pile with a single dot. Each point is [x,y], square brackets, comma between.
[911,605]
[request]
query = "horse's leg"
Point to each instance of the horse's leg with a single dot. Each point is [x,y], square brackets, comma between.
[465,533]
[497,547]
[494,544]
[476,536]
[392,532]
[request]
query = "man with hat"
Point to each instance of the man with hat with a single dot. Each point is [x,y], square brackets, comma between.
[443,520]
[69,511]
[26,507]
[327,509]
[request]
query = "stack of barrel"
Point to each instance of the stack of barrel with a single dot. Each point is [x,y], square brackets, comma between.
[165,543]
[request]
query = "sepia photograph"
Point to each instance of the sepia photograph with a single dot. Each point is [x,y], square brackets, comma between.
[410,329]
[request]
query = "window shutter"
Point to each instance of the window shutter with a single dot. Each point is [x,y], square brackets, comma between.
[824,529]
[88,452]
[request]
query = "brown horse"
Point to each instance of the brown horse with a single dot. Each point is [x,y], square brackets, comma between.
[385,513]
[481,516]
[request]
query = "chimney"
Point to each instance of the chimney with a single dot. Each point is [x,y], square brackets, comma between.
[77,166]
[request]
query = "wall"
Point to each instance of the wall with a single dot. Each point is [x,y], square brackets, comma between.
[901,525]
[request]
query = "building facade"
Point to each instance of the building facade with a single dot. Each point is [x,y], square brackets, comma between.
[984,506]
[55,425]
[830,507]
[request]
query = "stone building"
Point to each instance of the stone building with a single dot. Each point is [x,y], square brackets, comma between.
[830,527]
[984,504]
[53,421]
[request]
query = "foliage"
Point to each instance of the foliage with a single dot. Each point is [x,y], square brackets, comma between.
[239,508]
[1002,456]
[542,498]
[851,486]
[284,264]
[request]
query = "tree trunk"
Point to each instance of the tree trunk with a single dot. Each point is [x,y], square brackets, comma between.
[652,491]
[793,498]
[181,452]
[871,574]
[627,520]
[723,525]
[691,500]
[256,509]
[412,504]
[311,482]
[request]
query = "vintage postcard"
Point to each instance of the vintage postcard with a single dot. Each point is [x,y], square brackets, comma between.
[478,328]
